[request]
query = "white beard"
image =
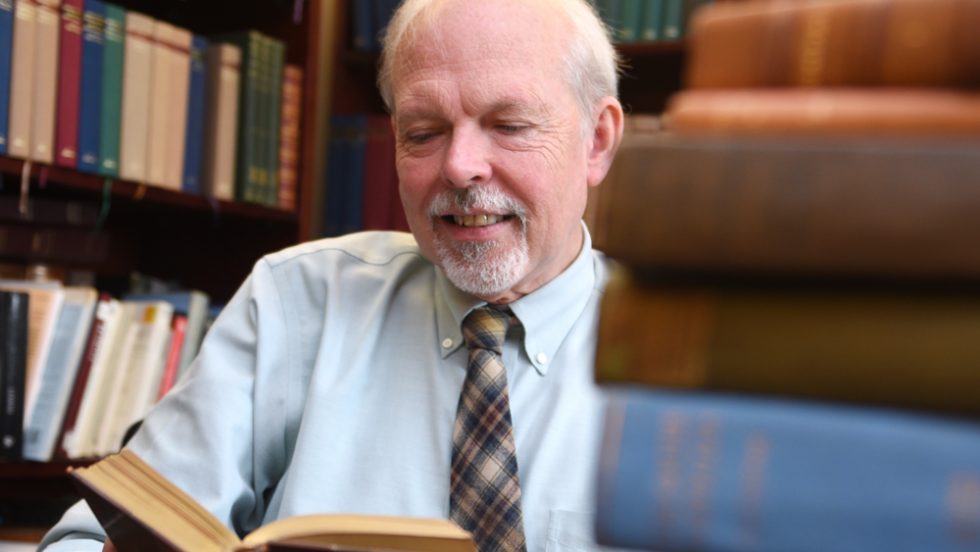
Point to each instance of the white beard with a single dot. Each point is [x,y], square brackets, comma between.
[481,268]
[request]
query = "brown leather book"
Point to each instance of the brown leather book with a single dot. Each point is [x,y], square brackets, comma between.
[835,43]
[885,112]
[849,207]
[885,347]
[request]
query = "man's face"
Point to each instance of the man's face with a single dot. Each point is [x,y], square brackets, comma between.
[491,156]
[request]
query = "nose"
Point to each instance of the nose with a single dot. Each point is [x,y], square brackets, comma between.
[467,160]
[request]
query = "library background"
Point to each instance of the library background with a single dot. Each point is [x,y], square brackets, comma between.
[790,341]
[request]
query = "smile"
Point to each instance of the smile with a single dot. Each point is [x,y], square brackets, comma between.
[471,221]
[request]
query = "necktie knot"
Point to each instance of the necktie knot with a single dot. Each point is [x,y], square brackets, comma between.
[486,328]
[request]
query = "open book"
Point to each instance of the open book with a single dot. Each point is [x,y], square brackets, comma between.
[141,510]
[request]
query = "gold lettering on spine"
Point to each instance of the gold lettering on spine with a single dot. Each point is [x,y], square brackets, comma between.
[813,45]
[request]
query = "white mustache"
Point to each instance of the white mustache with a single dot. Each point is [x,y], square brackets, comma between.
[476,198]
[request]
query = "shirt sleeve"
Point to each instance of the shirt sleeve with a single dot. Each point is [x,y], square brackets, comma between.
[217,435]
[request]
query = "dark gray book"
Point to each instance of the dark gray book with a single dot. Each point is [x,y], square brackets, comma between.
[13,368]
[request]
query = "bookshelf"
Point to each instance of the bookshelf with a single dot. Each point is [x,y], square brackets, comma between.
[113,227]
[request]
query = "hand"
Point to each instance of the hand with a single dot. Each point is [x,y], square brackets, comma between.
[108,546]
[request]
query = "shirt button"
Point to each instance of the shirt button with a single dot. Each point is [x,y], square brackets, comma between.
[447,343]
[542,358]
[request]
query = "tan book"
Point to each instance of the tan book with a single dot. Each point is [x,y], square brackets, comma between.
[135,121]
[159,104]
[22,79]
[221,129]
[47,37]
[827,111]
[289,139]
[835,43]
[178,82]
[140,510]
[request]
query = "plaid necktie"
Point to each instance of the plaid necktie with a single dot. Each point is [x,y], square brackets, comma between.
[485,494]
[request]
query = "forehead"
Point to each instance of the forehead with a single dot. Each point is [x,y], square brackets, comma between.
[504,43]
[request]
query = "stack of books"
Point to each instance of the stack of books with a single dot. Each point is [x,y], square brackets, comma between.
[790,343]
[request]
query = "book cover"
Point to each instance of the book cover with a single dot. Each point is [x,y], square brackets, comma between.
[698,471]
[22,80]
[138,61]
[276,52]
[906,43]
[796,206]
[194,143]
[6,52]
[827,112]
[289,136]
[110,124]
[139,508]
[90,102]
[910,349]
[221,132]
[13,367]
[159,102]
[47,43]
[58,376]
[69,84]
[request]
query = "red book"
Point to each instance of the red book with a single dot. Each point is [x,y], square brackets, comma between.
[69,81]
[380,183]
[178,332]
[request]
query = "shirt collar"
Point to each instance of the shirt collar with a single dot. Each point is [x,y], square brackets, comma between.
[547,314]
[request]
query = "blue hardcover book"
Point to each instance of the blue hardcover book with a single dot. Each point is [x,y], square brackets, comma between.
[354,186]
[345,172]
[701,471]
[90,101]
[194,143]
[6,48]
[337,160]
[362,26]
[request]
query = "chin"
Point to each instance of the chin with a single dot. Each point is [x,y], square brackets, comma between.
[483,269]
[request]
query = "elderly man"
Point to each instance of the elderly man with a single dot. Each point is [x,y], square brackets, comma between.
[425,375]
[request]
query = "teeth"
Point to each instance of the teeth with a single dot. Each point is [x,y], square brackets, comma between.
[477,220]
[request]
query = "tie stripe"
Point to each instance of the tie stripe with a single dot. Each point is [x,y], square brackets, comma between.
[485,493]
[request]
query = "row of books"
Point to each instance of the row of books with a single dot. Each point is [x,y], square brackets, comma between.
[80,367]
[633,21]
[362,184]
[789,345]
[95,87]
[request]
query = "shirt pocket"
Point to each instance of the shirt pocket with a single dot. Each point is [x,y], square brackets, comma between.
[572,532]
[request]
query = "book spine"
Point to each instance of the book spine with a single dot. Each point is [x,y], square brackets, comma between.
[690,471]
[138,62]
[289,136]
[774,206]
[673,27]
[6,53]
[112,85]
[353,186]
[69,84]
[247,169]
[194,149]
[857,43]
[160,103]
[277,60]
[817,343]
[378,186]
[13,368]
[40,430]
[841,112]
[47,43]
[221,138]
[651,22]
[179,71]
[629,21]
[90,103]
[22,79]
[171,367]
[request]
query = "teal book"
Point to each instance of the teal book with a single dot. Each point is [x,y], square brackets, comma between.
[652,21]
[702,471]
[673,19]
[112,64]
[629,20]
[275,62]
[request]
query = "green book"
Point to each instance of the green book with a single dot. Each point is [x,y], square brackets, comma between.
[651,21]
[277,61]
[629,20]
[673,15]
[248,168]
[112,78]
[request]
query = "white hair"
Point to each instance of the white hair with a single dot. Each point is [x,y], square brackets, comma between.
[591,64]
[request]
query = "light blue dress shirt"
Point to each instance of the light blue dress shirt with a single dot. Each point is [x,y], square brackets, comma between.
[330,381]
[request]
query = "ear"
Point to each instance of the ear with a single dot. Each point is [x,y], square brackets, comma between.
[605,139]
